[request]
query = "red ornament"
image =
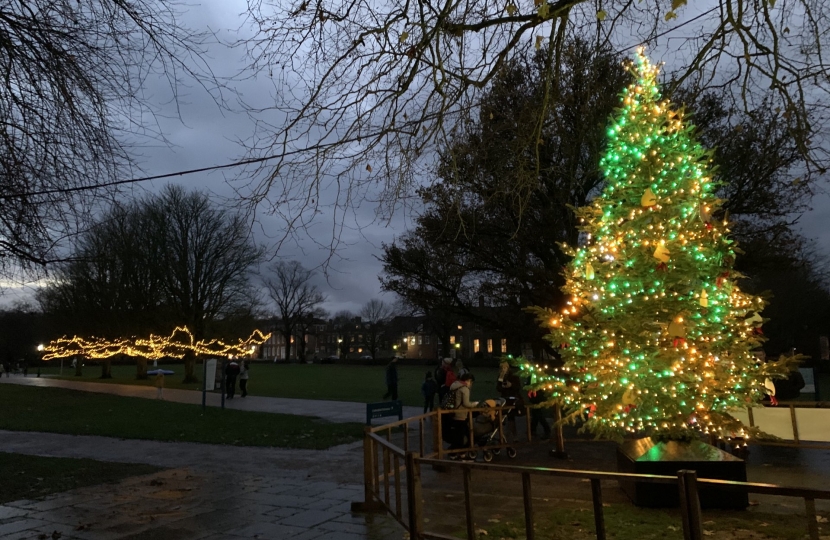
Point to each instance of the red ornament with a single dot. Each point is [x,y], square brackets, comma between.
[564,345]
[663,267]
[709,226]
[591,410]
[757,331]
[773,401]
[722,278]
[628,408]
[531,393]
[678,341]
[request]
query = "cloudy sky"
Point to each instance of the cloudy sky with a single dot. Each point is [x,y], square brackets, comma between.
[204,136]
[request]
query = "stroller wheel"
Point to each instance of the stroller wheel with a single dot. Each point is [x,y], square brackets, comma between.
[488,456]
[511,453]
[472,454]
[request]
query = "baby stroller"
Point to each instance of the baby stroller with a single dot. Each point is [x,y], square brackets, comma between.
[486,430]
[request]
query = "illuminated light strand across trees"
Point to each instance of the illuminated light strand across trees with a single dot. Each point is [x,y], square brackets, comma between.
[656,336]
[155,347]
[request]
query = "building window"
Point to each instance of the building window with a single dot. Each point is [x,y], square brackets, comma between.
[420,340]
[426,340]
[459,327]
[360,349]
[452,340]
[503,345]
[351,349]
[489,345]
[476,346]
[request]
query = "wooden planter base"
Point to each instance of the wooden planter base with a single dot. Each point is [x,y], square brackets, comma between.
[644,456]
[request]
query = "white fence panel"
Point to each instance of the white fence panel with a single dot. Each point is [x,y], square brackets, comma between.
[813,424]
[774,421]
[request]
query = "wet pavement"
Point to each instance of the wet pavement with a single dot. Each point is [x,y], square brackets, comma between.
[333,411]
[210,492]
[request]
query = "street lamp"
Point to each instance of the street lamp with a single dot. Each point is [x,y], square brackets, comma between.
[40,349]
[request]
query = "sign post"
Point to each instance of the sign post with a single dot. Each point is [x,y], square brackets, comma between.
[209,378]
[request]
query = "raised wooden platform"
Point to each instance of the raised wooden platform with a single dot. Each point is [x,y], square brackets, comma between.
[644,456]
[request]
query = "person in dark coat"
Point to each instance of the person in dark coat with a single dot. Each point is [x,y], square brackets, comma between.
[509,387]
[537,414]
[231,373]
[392,380]
[428,389]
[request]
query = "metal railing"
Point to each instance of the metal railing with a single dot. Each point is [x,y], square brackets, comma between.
[393,482]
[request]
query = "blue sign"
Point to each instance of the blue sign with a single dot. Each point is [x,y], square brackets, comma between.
[385,408]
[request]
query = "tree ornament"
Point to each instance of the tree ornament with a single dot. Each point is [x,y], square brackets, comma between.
[589,272]
[677,331]
[629,397]
[704,298]
[661,253]
[723,276]
[705,213]
[648,199]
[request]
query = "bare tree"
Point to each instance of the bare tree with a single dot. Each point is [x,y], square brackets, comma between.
[207,254]
[294,296]
[71,97]
[167,260]
[375,315]
[376,88]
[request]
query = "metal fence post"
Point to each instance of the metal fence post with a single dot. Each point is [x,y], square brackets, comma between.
[414,497]
[689,505]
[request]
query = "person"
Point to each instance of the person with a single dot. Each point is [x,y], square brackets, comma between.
[428,390]
[243,378]
[461,390]
[444,378]
[537,414]
[509,387]
[460,369]
[25,368]
[231,372]
[392,380]
[159,384]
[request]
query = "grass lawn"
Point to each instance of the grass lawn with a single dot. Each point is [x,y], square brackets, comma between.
[30,477]
[626,522]
[58,410]
[365,384]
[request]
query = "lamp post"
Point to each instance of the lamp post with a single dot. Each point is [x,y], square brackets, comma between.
[340,347]
[40,349]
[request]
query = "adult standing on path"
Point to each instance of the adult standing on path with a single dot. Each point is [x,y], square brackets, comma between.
[159,384]
[243,378]
[392,380]
[231,372]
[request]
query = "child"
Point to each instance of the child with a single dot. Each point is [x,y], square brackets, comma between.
[428,390]
[159,384]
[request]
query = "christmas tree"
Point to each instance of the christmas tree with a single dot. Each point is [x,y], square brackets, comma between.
[656,337]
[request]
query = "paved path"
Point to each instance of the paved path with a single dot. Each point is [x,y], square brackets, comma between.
[333,411]
[211,492]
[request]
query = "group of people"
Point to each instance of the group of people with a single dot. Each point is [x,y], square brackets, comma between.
[9,368]
[452,385]
[236,370]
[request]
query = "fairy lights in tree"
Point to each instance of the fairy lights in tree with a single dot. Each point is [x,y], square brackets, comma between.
[152,348]
[656,336]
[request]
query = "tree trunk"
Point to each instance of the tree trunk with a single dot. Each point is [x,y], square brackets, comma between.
[140,368]
[190,368]
[79,364]
[106,369]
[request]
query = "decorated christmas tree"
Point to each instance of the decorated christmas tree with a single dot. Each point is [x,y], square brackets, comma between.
[656,337]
